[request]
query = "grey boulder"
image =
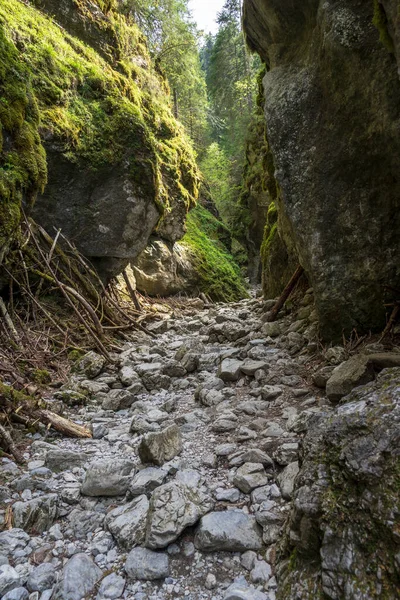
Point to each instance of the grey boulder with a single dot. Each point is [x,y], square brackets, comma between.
[12,540]
[145,564]
[61,460]
[91,364]
[111,588]
[160,447]
[19,593]
[9,579]
[287,478]
[127,523]
[41,578]
[38,514]
[250,476]
[241,591]
[80,575]
[146,480]
[107,478]
[231,531]
[173,507]
[230,369]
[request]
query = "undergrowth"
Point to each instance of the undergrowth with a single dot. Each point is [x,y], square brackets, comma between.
[220,276]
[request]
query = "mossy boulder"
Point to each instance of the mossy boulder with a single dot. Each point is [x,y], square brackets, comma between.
[218,274]
[332,108]
[341,539]
[119,165]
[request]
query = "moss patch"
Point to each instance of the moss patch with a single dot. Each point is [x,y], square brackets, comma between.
[381,23]
[220,276]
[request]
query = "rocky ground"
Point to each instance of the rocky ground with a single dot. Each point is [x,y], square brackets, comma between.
[183,490]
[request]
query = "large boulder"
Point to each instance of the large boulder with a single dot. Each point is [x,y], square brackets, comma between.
[333,113]
[173,507]
[342,539]
[119,166]
[164,269]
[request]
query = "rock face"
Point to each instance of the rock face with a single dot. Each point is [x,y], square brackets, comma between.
[332,110]
[342,535]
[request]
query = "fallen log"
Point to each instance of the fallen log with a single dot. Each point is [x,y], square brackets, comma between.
[19,406]
[286,293]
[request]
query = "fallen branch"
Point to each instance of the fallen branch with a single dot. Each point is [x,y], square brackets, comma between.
[390,323]
[286,293]
[8,321]
[131,291]
[8,443]
[19,405]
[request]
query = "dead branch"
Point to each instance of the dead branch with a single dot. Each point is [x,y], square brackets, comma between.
[8,443]
[390,323]
[286,293]
[131,291]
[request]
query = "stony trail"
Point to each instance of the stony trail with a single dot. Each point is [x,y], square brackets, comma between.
[184,488]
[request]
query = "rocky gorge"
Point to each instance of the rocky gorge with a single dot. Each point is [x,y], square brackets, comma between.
[219,468]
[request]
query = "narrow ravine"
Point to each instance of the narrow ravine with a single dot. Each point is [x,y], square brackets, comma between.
[215,407]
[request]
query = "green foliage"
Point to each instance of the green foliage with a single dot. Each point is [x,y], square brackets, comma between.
[215,167]
[220,276]
[99,111]
[381,23]
[173,41]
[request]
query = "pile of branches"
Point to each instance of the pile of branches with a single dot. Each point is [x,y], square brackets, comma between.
[53,302]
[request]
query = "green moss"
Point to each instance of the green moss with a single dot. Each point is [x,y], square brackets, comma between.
[381,23]
[22,157]
[41,376]
[100,112]
[219,274]
[270,231]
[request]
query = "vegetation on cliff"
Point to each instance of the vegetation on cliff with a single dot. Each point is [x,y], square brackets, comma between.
[220,277]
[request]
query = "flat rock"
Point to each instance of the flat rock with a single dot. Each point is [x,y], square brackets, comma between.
[173,507]
[127,523]
[107,478]
[146,480]
[62,460]
[142,563]
[249,366]
[250,476]
[160,447]
[230,369]
[231,531]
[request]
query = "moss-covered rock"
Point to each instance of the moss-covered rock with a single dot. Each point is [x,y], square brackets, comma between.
[342,539]
[219,275]
[119,165]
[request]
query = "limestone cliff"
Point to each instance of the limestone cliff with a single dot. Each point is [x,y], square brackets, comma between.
[119,167]
[333,113]
[342,539]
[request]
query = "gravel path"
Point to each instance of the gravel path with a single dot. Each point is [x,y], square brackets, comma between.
[183,490]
